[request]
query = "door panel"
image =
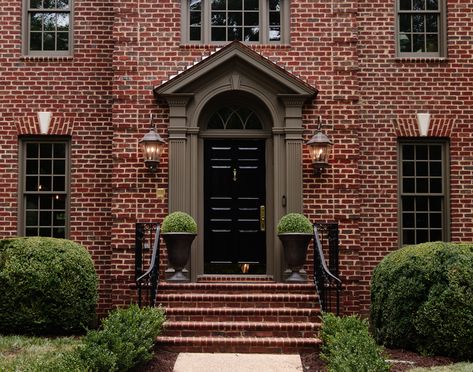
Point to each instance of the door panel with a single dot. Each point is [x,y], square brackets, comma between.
[234,192]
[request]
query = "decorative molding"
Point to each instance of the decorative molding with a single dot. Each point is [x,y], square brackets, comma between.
[439,127]
[235,81]
[60,125]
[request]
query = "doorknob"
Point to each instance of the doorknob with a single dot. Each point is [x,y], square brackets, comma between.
[262,218]
[234,174]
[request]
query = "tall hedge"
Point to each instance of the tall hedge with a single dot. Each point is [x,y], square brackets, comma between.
[48,286]
[422,299]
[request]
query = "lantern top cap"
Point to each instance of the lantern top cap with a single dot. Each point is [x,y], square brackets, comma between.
[152,136]
[319,138]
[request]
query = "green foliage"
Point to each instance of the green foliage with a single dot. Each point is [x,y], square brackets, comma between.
[294,223]
[125,339]
[349,347]
[421,299]
[179,222]
[457,367]
[48,286]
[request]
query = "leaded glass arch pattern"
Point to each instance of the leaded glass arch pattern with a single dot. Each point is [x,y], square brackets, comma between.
[232,117]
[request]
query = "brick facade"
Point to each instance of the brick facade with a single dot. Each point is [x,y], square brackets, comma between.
[102,97]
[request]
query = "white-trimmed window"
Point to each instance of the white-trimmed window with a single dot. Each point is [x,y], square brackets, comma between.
[221,21]
[421,28]
[47,27]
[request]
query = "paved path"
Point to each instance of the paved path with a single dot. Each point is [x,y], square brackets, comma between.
[210,362]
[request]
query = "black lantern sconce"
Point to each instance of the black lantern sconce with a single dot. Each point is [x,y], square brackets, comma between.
[320,148]
[152,146]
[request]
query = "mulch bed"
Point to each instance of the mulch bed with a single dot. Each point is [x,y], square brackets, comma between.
[164,361]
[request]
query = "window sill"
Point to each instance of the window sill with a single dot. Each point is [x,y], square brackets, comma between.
[420,59]
[46,58]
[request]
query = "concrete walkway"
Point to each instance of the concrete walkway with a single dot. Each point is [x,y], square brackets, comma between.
[210,362]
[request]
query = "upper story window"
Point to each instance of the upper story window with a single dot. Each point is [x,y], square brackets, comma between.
[257,21]
[44,188]
[421,28]
[423,192]
[47,27]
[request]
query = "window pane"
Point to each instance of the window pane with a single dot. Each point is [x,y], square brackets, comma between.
[31,202]
[59,202]
[432,43]
[36,39]
[218,19]
[436,185]
[274,34]
[44,183]
[194,19]
[275,5]
[37,4]
[62,22]
[436,220]
[36,21]
[408,203]
[435,152]
[45,166]
[31,232]
[60,150]
[418,43]
[422,168]
[32,166]
[234,19]
[251,33]
[408,185]
[422,236]
[422,152]
[418,23]
[31,218]
[194,34]
[405,4]
[59,167]
[422,203]
[432,4]
[422,220]
[408,152]
[431,23]
[32,150]
[408,220]
[218,34]
[59,219]
[408,168]
[62,4]
[49,41]
[418,4]
[62,41]
[45,150]
[49,21]
[45,231]
[45,218]
[195,5]
[234,33]
[235,4]
[218,4]
[252,4]
[45,202]
[404,23]
[422,185]
[435,169]
[49,4]
[408,237]
[251,19]
[59,183]
[59,233]
[436,235]
[32,183]
[274,19]
[435,204]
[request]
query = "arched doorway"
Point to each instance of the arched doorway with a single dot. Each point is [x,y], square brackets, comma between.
[235,131]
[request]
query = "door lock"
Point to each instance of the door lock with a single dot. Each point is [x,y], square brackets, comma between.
[262,218]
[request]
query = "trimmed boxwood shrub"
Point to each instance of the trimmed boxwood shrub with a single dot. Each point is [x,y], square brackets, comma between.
[48,286]
[179,222]
[421,299]
[294,223]
[349,347]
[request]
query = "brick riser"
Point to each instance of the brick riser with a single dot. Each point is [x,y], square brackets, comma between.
[258,316]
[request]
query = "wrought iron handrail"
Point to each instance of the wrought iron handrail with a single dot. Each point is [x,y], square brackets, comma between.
[326,282]
[151,276]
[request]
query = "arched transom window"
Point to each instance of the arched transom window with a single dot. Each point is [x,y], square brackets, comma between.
[232,117]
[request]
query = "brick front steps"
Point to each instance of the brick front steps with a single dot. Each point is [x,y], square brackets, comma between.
[233,315]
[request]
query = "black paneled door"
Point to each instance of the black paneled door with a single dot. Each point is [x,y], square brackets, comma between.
[235,203]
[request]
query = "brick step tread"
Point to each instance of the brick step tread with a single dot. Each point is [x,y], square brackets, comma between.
[190,325]
[250,286]
[253,341]
[235,278]
[236,297]
[243,311]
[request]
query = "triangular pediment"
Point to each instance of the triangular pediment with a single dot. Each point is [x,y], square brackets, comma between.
[228,57]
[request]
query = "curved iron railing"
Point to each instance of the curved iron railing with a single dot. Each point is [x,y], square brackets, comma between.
[327,283]
[150,278]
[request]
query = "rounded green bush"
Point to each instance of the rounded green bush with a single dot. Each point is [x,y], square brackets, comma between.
[48,286]
[421,299]
[179,222]
[294,223]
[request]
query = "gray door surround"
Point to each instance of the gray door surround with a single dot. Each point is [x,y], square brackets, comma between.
[236,72]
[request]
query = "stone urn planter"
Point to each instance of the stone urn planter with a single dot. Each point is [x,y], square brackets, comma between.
[179,231]
[295,232]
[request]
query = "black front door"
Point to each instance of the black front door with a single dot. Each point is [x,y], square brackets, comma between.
[235,201]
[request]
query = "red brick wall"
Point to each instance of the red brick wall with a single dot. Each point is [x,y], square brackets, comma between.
[367,98]
[78,92]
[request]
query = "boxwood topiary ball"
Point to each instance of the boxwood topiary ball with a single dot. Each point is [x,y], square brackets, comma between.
[48,286]
[294,223]
[179,222]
